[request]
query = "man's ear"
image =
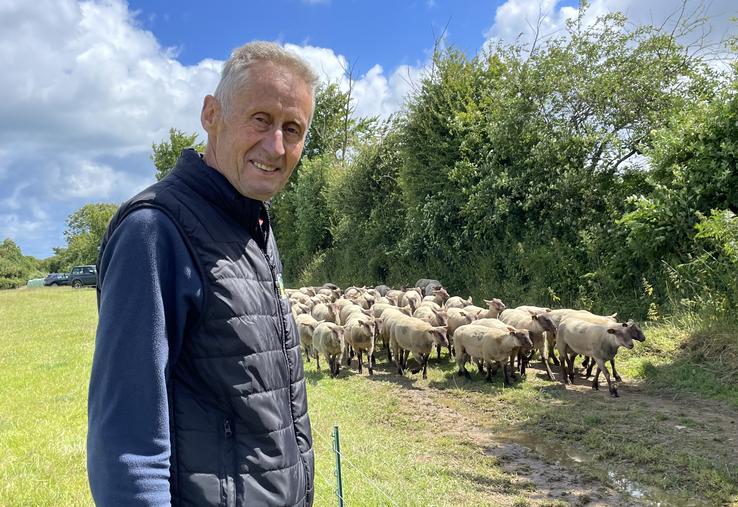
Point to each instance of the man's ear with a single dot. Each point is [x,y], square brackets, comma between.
[210,115]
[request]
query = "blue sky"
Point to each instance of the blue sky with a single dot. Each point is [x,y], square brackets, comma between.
[88,86]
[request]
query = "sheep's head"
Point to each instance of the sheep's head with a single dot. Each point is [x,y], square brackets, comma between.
[522,337]
[622,335]
[545,321]
[635,331]
[439,334]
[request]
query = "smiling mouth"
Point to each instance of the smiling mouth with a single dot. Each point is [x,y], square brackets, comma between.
[264,167]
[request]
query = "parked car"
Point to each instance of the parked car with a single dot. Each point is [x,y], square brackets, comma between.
[83,275]
[57,279]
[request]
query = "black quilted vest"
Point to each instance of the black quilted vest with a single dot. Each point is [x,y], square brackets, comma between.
[240,433]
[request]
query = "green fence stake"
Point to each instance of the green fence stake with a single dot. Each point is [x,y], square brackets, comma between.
[337,451]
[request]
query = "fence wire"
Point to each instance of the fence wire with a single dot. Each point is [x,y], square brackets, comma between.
[355,467]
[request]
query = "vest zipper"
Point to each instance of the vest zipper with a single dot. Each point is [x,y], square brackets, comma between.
[231,482]
[283,333]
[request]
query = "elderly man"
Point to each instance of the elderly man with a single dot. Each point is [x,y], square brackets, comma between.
[197,393]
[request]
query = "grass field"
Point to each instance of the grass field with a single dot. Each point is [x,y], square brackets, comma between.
[671,438]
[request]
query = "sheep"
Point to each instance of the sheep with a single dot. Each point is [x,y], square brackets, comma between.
[534,309]
[537,324]
[440,296]
[457,302]
[379,308]
[328,339]
[411,297]
[428,285]
[456,317]
[306,325]
[489,344]
[360,332]
[433,315]
[605,320]
[475,311]
[495,307]
[408,334]
[517,351]
[385,322]
[601,342]
[349,309]
[382,289]
[323,311]
[299,308]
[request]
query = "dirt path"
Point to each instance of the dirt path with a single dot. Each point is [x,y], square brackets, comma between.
[566,474]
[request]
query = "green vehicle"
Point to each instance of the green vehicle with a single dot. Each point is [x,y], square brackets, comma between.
[81,276]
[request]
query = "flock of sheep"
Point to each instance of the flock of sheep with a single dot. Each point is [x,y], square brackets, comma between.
[342,324]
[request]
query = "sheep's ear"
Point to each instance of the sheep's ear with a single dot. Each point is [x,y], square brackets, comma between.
[488,302]
[532,312]
[611,330]
[614,315]
[511,329]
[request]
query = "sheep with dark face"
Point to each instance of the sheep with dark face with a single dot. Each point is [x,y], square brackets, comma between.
[538,324]
[600,342]
[306,325]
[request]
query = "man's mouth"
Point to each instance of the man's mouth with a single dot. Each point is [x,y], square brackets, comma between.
[264,167]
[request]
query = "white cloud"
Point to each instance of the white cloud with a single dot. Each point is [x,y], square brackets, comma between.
[520,18]
[87,90]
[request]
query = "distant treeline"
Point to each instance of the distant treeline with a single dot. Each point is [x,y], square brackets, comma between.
[596,169]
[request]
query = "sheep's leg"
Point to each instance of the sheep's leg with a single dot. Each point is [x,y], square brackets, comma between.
[438,351]
[507,379]
[544,356]
[425,365]
[317,360]
[585,361]
[589,367]
[551,351]
[614,372]
[596,380]
[489,372]
[350,355]
[564,368]
[480,365]
[601,366]
[358,356]
[371,362]
[331,366]
[307,353]
[398,356]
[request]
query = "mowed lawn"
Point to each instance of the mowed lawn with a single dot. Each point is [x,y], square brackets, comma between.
[440,442]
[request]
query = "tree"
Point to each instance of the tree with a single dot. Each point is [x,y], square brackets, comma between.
[15,268]
[84,232]
[166,153]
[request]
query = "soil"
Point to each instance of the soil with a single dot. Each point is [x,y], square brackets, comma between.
[558,476]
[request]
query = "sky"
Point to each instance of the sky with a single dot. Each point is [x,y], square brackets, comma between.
[87,87]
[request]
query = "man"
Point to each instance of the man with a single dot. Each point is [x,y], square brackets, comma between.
[197,392]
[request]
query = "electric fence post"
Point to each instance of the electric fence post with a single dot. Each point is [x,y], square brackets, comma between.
[337,451]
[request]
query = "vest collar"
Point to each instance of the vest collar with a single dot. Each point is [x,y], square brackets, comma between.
[214,187]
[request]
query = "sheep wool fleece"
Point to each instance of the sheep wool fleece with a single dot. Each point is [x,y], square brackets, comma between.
[239,429]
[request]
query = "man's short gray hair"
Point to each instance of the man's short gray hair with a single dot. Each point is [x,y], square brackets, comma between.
[236,70]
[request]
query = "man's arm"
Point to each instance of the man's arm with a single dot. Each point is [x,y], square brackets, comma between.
[149,291]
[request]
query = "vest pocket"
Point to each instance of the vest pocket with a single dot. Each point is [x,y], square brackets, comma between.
[227,465]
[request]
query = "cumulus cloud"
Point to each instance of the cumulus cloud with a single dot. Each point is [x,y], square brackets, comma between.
[87,90]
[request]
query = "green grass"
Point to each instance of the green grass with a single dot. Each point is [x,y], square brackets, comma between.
[415,442]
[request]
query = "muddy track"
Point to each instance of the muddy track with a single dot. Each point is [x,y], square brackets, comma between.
[558,474]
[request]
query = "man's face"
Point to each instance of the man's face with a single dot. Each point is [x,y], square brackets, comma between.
[257,143]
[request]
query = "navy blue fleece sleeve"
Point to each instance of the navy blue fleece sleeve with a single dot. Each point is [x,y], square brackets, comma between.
[149,292]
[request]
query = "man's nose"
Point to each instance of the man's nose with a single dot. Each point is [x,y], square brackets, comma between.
[275,142]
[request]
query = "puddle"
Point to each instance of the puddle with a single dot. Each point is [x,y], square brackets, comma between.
[553,452]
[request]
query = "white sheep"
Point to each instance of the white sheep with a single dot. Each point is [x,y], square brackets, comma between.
[328,339]
[490,345]
[538,325]
[600,342]
[457,302]
[360,332]
[306,325]
[408,334]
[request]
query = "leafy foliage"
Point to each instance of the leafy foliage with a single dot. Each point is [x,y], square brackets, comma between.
[165,153]
[15,268]
[85,229]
